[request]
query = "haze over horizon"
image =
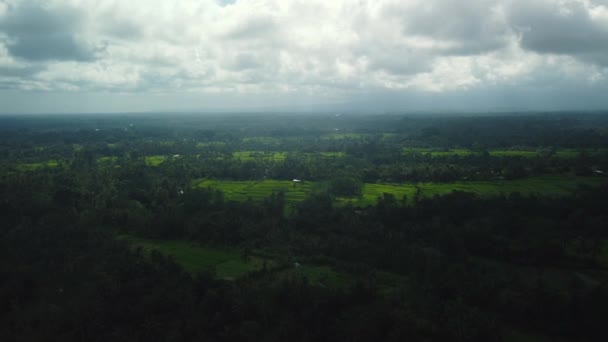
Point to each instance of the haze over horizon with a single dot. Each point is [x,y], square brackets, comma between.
[76,56]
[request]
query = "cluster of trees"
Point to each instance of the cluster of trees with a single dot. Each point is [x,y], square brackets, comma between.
[474,267]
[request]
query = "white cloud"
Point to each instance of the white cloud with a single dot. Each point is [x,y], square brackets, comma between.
[325,49]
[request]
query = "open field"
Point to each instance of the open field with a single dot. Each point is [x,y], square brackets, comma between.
[226,262]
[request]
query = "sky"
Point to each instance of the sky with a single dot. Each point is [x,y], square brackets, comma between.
[72,56]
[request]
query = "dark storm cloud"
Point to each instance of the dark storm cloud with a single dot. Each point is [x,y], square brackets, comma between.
[39,33]
[560,28]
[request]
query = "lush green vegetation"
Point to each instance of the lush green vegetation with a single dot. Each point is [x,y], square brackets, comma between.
[306,227]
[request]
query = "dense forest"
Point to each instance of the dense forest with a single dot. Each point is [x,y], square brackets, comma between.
[307,227]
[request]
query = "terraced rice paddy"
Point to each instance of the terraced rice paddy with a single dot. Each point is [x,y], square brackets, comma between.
[552,185]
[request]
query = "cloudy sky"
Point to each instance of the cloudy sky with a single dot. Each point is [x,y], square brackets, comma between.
[366,55]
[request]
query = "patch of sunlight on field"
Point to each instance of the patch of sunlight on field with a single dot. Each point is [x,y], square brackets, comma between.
[154,160]
[228,263]
[259,190]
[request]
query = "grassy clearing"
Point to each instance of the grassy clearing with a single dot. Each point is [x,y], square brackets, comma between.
[154,160]
[228,263]
[259,190]
[36,166]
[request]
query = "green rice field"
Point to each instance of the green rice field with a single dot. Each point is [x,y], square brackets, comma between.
[551,185]
[259,190]
[155,160]
[36,166]
[281,156]
[255,155]
[340,136]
